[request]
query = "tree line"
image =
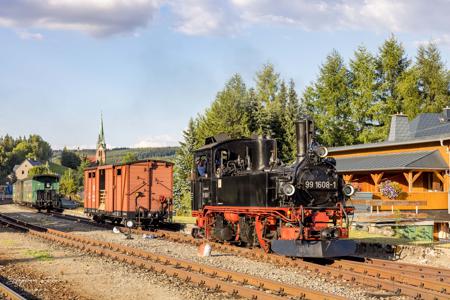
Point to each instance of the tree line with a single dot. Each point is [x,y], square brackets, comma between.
[350,103]
[14,151]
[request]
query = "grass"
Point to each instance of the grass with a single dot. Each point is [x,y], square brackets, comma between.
[184,219]
[40,255]
[8,242]
[365,236]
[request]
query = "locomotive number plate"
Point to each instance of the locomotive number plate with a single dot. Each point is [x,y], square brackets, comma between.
[320,185]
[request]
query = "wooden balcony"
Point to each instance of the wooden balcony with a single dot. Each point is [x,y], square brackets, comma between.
[407,201]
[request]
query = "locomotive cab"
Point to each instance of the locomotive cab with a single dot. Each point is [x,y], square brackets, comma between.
[233,172]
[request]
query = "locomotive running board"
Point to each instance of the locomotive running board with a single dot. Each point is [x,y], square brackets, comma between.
[328,248]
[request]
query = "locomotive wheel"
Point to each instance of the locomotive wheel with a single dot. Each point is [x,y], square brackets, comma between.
[259,230]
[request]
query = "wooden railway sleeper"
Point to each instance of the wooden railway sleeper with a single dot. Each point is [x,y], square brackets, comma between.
[123,258]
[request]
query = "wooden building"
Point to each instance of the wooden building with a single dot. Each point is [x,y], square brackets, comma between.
[416,155]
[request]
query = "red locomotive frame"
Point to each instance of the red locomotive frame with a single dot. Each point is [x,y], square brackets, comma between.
[286,220]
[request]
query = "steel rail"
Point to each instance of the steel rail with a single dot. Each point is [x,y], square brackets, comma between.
[387,279]
[211,277]
[390,272]
[429,270]
[393,283]
[242,278]
[9,293]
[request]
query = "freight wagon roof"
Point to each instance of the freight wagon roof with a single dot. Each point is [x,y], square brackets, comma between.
[132,163]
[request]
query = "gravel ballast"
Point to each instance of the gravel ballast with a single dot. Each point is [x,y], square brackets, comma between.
[217,259]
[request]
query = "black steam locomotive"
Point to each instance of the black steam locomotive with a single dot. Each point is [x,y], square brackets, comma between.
[243,194]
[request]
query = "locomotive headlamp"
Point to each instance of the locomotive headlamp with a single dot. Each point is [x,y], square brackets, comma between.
[348,190]
[288,189]
[321,151]
[130,224]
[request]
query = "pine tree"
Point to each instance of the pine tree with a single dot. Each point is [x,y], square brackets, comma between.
[276,113]
[328,102]
[227,112]
[434,80]
[408,89]
[290,117]
[184,161]
[253,110]
[267,86]
[391,63]
[363,95]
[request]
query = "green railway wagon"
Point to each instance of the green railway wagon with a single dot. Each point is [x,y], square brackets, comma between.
[39,191]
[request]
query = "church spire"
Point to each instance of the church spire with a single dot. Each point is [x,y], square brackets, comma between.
[101,135]
[100,154]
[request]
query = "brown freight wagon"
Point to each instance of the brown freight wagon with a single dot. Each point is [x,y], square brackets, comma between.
[141,191]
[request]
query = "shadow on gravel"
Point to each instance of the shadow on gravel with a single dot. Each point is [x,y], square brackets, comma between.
[17,289]
[53,222]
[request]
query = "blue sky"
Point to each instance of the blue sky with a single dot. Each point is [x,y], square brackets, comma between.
[150,65]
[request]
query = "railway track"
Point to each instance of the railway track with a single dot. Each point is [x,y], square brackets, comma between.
[215,279]
[9,294]
[421,282]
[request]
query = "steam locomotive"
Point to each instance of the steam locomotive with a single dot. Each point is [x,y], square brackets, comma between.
[242,194]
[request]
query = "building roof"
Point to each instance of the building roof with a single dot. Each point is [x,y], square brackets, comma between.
[420,160]
[435,138]
[34,162]
[426,127]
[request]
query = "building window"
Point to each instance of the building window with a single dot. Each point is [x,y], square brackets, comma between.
[432,183]
[23,172]
[119,172]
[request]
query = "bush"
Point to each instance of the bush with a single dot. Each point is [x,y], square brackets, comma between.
[68,184]
[39,170]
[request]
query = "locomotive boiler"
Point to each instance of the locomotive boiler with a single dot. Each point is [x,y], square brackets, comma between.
[243,194]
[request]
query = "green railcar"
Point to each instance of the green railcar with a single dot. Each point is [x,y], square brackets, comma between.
[39,191]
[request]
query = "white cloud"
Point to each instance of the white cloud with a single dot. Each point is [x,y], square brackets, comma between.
[228,17]
[157,141]
[95,17]
[205,17]
[443,41]
[25,35]
[395,16]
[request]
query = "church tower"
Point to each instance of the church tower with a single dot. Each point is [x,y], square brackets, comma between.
[100,154]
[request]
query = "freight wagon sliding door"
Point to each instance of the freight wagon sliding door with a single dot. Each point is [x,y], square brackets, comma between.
[139,186]
[90,190]
[120,190]
[161,186]
[109,193]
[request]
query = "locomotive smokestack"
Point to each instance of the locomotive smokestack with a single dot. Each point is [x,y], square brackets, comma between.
[300,131]
[304,130]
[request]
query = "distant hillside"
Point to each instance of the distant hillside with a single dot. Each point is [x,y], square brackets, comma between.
[115,155]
